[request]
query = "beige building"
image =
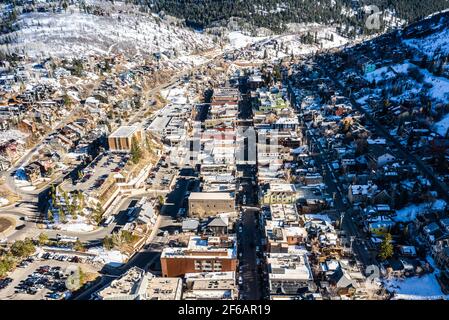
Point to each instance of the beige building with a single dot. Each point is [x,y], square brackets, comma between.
[136,284]
[121,139]
[204,204]
[279,193]
[210,286]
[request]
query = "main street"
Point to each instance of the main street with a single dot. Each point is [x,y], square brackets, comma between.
[249,234]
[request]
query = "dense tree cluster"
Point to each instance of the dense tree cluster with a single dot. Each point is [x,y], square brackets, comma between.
[19,250]
[274,14]
[271,14]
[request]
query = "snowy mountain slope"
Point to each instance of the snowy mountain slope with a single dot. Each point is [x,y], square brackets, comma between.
[429,39]
[74,33]
[430,36]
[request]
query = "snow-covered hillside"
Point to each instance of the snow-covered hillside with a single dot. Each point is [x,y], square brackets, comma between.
[429,36]
[429,39]
[74,33]
[292,43]
[432,44]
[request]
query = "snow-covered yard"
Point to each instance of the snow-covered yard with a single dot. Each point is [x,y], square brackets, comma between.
[389,72]
[410,212]
[3,201]
[416,288]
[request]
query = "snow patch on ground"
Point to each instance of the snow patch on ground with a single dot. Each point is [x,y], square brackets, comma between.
[175,95]
[79,225]
[12,135]
[239,40]
[442,126]
[440,90]
[386,73]
[111,257]
[193,60]
[3,201]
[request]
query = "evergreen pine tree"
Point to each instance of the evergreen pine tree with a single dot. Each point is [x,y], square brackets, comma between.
[386,248]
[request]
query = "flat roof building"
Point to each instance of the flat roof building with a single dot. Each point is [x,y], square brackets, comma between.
[279,193]
[121,139]
[211,285]
[135,284]
[204,204]
[203,254]
[289,274]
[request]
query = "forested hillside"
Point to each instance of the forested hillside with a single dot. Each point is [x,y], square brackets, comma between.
[274,14]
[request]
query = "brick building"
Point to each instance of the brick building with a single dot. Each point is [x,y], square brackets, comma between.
[203,254]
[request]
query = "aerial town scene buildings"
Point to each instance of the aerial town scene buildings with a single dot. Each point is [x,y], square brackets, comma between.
[151,159]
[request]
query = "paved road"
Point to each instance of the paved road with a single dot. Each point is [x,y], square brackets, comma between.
[251,288]
[249,237]
[31,230]
[175,199]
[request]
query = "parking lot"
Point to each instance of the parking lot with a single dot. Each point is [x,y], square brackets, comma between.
[65,257]
[37,280]
[96,173]
[161,175]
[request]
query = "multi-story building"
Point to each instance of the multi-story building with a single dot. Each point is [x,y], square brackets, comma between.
[210,286]
[135,284]
[282,193]
[290,275]
[204,204]
[279,237]
[202,254]
[121,139]
[361,193]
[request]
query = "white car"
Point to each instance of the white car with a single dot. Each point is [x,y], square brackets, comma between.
[240,280]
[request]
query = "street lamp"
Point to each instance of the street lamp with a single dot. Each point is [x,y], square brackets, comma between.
[342,215]
[351,239]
